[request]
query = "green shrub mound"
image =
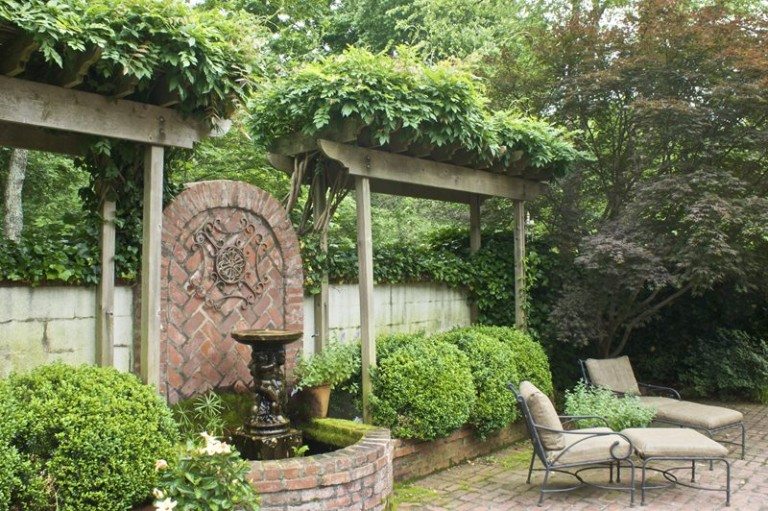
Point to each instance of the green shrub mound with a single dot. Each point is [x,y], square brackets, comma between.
[529,356]
[730,363]
[489,360]
[620,412]
[92,436]
[423,390]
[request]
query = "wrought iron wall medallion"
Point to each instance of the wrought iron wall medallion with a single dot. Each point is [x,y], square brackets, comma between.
[229,269]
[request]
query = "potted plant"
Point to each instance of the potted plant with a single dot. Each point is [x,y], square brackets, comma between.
[318,374]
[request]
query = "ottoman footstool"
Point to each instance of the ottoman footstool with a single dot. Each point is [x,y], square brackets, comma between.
[677,444]
[707,418]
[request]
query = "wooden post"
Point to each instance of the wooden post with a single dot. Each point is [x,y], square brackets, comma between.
[105,314]
[150,265]
[365,264]
[474,242]
[520,320]
[321,299]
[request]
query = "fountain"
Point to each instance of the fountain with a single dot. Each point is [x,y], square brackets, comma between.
[267,434]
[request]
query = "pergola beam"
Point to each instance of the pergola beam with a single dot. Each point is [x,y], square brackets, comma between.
[46,106]
[365,286]
[520,319]
[150,265]
[20,136]
[410,171]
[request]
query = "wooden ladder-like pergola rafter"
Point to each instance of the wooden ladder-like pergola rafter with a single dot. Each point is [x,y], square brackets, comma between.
[57,118]
[401,167]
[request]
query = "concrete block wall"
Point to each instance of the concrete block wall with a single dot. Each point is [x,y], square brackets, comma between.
[39,325]
[397,308]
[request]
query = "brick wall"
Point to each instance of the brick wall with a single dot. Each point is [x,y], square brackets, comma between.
[414,459]
[230,261]
[358,477]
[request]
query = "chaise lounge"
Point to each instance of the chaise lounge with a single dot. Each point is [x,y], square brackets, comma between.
[617,375]
[570,451]
[574,451]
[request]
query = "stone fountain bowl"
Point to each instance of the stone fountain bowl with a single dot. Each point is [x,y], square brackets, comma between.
[266,338]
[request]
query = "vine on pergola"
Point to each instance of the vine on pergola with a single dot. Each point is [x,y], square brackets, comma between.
[403,106]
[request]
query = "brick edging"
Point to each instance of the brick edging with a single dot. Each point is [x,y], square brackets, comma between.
[358,477]
[413,458]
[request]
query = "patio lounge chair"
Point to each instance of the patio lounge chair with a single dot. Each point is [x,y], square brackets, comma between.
[616,374]
[561,450]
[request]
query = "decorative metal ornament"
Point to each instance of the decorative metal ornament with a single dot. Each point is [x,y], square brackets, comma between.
[233,258]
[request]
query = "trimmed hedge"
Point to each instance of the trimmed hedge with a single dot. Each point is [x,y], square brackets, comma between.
[489,360]
[529,356]
[423,389]
[87,437]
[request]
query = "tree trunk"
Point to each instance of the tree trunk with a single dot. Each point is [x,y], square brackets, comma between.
[14,213]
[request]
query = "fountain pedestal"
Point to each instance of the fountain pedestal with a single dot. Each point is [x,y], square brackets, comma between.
[267,435]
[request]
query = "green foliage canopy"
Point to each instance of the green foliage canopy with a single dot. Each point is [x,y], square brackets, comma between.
[203,56]
[439,105]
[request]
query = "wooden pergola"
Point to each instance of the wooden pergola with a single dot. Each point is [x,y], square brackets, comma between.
[401,167]
[55,117]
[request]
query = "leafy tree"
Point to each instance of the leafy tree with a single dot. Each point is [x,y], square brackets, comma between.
[670,100]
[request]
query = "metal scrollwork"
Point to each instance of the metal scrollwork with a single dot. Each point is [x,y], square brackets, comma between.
[234,267]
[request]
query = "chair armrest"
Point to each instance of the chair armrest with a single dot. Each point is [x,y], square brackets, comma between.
[586,435]
[662,390]
[567,419]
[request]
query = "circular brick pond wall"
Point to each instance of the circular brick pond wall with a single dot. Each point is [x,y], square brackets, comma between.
[358,477]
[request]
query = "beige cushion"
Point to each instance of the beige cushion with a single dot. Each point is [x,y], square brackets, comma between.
[587,449]
[656,402]
[681,442]
[544,414]
[695,415]
[613,373]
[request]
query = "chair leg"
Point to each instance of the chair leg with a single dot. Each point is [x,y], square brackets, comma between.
[543,485]
[693,471]
[530,466]
[743,439]
[631,483]
[610,473]
[727,482]
[711,463]
[618,471]
[642,484]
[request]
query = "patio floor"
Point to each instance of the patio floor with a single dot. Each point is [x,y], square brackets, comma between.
[498,482]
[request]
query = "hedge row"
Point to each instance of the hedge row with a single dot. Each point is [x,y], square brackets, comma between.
[425,387]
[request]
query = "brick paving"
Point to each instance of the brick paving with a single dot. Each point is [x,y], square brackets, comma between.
[497,482]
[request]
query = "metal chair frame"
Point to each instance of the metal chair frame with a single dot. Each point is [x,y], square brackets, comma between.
[674,394]
[551,465]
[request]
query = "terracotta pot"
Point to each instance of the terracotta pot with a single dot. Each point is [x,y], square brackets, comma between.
[317,399]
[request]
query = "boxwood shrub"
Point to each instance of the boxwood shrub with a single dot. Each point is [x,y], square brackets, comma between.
[490,362]
[90,436]
[529,357]
[423,389]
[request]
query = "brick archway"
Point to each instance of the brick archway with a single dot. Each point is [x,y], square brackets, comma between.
[230,261]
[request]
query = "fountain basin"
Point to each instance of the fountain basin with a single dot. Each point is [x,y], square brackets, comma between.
[355,477]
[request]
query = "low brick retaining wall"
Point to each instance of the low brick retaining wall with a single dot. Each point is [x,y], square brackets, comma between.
[416,459]
[358,477]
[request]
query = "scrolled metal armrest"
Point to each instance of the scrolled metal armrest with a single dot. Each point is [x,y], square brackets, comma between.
[675,394]
[591,434]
